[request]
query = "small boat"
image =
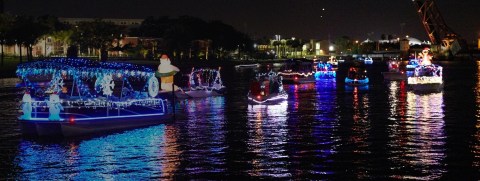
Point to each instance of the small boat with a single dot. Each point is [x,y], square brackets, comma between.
[427,78]
[356,77]
[368,61]
[72,97]
[325,71]
[267,88]
[412,64]
[255,65]
[298,71]
[394,71]
[203,82]
[333,61]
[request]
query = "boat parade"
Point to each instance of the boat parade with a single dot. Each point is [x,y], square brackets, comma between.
[239,90]
[71,97]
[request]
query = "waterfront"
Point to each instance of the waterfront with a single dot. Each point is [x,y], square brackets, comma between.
[323,131]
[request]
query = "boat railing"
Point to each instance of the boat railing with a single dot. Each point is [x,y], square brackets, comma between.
[40,109]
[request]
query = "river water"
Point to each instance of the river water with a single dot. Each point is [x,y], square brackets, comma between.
[323,131]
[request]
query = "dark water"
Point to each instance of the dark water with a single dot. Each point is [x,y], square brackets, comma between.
[324,131]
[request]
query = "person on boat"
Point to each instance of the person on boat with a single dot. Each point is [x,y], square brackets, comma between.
[393,66]
[255,87]
[352,73]
[165,72]
[274,85]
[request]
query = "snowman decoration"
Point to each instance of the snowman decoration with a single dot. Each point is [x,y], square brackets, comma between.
[26,106]
[54,107]
[165,72]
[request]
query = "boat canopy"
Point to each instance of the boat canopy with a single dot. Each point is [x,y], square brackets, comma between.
[82,67]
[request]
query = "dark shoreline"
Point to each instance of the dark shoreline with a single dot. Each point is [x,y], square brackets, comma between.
[9,68]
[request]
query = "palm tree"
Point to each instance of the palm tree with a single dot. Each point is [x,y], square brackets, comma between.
[97,34]
[59,31]
[276,44]
[63,36]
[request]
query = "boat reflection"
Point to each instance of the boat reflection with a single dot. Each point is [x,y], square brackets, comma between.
[205,123]
[325,124]
[120,156]
[397,97]
[476,145]
[360,133]
[267,130]
[299,94]
[417,146]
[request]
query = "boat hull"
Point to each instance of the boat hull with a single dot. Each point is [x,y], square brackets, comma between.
[425,88]
[198,93]
[356,82]
[394,76]
[290,80]
[68,128]
[268,100]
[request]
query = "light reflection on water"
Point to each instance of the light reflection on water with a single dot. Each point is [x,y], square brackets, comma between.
[267,139]
[417,136]
[141,153]
[323,131]
[204,134]
[476,146]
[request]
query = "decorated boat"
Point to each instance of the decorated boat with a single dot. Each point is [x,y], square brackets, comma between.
[267,88]
[298,71]
[356,76]
[202,82]
[241,66]
[412,64]
[368,61]
[333,61]
[427,76]
[395,72]
[324,70]
[70,97]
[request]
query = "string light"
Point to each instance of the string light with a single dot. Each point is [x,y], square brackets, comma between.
[88,79]
[427,74]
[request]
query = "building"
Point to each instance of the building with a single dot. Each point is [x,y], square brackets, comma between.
[129,23]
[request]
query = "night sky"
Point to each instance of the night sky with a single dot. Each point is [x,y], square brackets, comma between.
[358,19]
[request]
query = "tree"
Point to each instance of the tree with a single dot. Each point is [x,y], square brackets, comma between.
[60,32]
[276,44]
[25,32]
[97,34]
[294,44]
[343,43]
[6,23]
[383,37]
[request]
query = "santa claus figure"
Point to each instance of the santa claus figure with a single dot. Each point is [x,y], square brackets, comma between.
[54,107]
[425,57]
[26,106]
[165,72]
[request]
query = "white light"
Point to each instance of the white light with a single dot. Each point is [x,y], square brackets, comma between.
[330,48]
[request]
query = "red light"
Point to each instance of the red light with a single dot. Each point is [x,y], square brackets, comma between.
[71,120]
[296,78]
[259,97]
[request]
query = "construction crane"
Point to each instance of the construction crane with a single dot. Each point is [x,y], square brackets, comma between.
[436,28]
